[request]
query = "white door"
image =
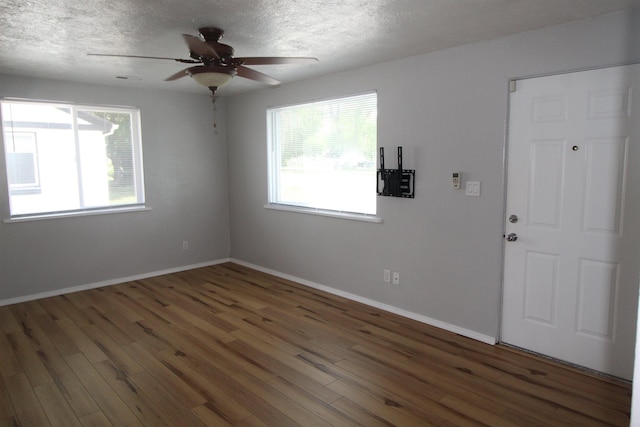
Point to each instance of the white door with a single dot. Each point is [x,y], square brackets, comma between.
[571,275]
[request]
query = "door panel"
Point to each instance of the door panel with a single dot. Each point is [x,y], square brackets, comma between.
[571,277]
[604,192]
[598,287]
[547,171]
[541,283]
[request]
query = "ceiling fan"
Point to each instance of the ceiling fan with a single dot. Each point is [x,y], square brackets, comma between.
[217,65]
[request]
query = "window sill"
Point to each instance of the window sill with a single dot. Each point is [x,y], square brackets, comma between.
[324,212]
[37,217]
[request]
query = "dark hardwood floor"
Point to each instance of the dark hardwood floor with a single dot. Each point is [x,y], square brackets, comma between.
[226,345]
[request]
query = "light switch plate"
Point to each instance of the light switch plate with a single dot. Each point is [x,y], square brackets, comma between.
[473,188]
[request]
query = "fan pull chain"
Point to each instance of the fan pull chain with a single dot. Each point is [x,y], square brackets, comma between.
[215,124]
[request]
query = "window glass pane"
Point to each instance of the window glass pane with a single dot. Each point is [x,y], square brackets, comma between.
[120,159]
[324,154]
[62,158]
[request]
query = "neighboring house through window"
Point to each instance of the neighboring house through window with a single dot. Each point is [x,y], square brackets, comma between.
[22,162]
[63,158]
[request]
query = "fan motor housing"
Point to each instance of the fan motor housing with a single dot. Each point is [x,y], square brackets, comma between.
[212,36]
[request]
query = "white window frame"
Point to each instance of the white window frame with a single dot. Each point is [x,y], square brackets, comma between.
[138,173]
[274,166]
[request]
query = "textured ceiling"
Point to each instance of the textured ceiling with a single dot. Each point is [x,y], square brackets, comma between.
[50,38]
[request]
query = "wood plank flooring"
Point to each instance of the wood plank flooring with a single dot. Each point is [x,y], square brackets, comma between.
[229,346]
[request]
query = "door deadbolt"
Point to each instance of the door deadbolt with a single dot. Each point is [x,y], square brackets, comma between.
[513,219]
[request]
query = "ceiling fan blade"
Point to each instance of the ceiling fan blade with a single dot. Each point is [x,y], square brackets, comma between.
[190,61]
[272,60]
[199,47]
[248,73]
[179,74]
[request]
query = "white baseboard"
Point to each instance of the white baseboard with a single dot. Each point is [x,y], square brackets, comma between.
[109,282]
[487,339]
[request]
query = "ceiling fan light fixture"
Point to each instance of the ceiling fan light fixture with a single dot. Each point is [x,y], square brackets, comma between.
[217,63]
[212,76]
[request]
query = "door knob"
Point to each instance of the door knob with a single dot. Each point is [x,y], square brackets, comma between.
[512,237]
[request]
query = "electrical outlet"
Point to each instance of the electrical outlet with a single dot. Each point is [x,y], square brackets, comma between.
[386,275]
[185,245]
[396,278]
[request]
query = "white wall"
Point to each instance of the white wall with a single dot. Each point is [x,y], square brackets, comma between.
[186,187]
[448,110]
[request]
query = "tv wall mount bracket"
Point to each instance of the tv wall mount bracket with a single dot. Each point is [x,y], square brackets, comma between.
[395,182]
